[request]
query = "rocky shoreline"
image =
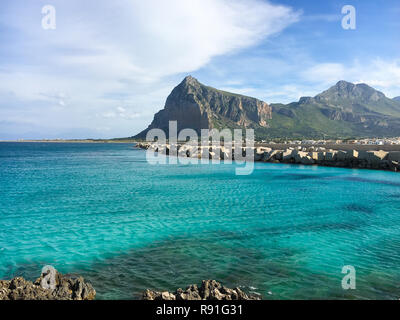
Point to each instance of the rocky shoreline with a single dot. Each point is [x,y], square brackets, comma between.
[312,155]
[209,290]
[66,288]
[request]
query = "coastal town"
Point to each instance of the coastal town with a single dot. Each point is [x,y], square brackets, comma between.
[366,141]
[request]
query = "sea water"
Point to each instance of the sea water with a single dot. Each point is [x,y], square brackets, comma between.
[285,231]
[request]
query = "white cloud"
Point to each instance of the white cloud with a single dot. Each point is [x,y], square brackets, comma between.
[325,72]
[120,112]
[104,52]
[378,73]
[146,40]
[276,94]
[323,17]
[308,78]
[383,74]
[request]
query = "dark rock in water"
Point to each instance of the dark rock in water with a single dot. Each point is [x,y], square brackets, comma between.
[209,290]
[66,288]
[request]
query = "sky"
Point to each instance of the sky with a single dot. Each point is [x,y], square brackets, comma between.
[107,66]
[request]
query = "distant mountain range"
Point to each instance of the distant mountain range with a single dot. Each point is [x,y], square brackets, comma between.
[345,110]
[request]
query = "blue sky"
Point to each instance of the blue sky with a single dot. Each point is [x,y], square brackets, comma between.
[109,65]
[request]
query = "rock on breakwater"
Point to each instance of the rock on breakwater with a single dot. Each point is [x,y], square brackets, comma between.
[66,288]
[381,160]
[209,290]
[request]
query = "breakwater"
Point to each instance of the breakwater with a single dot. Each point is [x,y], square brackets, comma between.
[379,159]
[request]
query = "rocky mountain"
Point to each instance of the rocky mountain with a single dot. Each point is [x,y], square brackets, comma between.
[396,98]
[358,98]
[194,105]
[345,110]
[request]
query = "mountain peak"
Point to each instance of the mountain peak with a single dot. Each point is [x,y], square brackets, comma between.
[342,84]
[347,90]
[190,80]
[346,85]
[188,84]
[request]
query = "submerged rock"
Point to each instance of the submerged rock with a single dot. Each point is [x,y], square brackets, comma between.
[66,288]
[209,290]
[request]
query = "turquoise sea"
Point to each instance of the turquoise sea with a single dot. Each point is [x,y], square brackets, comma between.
[285,231]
